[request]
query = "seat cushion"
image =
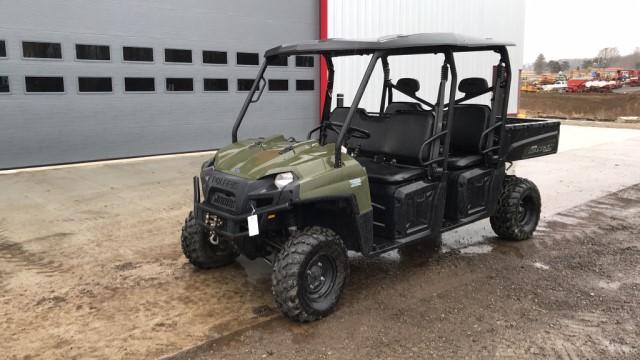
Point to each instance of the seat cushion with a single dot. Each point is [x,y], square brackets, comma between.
[387,173]
[457,162]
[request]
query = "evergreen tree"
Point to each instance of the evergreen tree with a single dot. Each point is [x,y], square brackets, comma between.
[540,65]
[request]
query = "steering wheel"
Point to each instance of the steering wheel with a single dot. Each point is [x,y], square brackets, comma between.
[353,132]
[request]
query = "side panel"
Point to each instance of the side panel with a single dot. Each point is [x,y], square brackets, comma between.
[403,210]
[348,179]
[472,194]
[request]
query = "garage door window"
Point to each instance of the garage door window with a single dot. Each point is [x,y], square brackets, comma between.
[94,84]
[141,54]
[177,56]
[304,85]
[243,58]
[138,84]
[304,61]
[244,84]
[44,84]
[41,50]
[280,60]
[179,84]
[93,52]
[3,49]
[278,85]
[4,84]
[214,57]
[216,85]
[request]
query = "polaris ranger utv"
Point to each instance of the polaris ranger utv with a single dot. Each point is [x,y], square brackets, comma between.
[368,182]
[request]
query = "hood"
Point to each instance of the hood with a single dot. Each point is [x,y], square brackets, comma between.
[257,158]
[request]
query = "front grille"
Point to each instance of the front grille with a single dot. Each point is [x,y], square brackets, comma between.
[224,201]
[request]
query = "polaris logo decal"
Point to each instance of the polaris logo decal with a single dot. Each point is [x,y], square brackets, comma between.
[540,149]
[355,182]
[224,183]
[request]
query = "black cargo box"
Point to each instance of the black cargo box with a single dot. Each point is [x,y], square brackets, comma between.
[530,138]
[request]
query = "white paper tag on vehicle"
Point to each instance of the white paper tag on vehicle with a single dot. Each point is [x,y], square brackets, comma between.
[252,222]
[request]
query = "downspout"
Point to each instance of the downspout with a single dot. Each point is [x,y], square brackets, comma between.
[324,31]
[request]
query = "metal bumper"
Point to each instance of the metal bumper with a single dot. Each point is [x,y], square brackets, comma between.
[233,222]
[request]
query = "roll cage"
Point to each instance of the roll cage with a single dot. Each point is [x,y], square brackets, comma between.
[492,138]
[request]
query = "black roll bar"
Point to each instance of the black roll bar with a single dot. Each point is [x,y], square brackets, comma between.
[453,87]
[504,54]
[385,83]
[499,108]
[440,135]
[248,100]
[354,106]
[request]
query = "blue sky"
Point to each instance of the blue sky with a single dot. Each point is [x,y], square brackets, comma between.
[580,28]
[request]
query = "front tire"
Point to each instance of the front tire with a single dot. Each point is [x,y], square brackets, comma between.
[198,248]
[309,274]
[518,212]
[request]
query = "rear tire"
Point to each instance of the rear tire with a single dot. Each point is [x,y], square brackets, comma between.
[201,252]
[309,274]
[518,212]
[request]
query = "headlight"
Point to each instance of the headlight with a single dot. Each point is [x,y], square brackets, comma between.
[207,173]
[283,180]
[207,163]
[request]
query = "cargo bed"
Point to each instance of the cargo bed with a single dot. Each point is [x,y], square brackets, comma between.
[531,138]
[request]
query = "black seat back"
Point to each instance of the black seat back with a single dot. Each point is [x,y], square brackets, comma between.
[468,124]
[408,86]
[398,136]
[395,107]
[469,120]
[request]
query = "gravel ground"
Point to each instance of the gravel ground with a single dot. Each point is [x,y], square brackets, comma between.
[91,267]
[570,293]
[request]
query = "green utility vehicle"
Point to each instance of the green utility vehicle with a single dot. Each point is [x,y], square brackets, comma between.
[368,182]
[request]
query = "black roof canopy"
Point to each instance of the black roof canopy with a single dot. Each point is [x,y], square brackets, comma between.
[400,44]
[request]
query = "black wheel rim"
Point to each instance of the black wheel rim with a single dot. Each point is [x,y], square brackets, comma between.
[527,211]
[319,279]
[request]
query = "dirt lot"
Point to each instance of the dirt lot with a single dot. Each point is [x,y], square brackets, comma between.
[90,267]
[581,106]
[573,292]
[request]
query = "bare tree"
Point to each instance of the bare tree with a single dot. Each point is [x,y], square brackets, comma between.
[606,56]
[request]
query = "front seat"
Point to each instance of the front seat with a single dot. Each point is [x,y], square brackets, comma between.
[408,86]
[392,153]
[469,121]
